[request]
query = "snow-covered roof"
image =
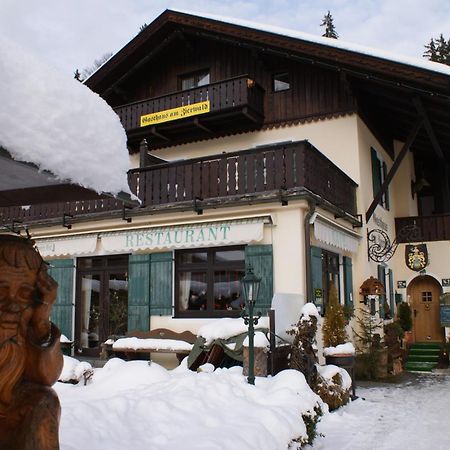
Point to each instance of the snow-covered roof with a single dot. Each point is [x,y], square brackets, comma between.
[57,123]
[336,43]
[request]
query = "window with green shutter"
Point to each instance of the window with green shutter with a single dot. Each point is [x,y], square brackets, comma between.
[348,281]
[150,288]
[379,173]
[62,271]
[260,258]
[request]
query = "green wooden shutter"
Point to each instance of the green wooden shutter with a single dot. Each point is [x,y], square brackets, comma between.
[260,258]
[376,172]
[62,270]
[161,284]
[391,292]
[316,278]
[386,194]
[138,292]
[382,278]
[348,281]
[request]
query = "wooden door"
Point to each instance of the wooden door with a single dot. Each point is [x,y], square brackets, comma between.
[425,292]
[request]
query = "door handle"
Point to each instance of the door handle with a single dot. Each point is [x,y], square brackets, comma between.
[415,312]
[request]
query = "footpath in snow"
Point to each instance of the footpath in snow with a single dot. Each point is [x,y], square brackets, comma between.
[414,415]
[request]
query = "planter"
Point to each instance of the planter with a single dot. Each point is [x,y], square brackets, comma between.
[407,339]
[347,362]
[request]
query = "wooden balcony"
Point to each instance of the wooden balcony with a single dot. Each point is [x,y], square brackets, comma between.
[282,170]
[235,104]
[280,173]
[431,228]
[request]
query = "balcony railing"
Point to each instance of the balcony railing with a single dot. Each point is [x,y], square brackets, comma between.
[223,96]
[273,173]
[431,228]
[256,172]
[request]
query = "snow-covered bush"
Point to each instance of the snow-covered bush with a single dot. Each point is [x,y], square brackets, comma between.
[333,386]
[73,371]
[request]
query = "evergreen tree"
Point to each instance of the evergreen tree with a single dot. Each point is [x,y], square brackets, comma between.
[333,328]
[438,50]
[77,76]
[142,27]
[330,30]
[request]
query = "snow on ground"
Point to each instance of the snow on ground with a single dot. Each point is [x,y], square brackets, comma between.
[414,414]
[146,407]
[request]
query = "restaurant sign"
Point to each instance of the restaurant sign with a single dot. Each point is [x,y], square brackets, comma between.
[175,113]
[183,236]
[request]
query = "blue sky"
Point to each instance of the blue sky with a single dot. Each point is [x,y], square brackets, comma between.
[71,34]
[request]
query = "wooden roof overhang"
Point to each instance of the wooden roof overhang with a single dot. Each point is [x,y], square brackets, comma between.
[385,90]
[398,101]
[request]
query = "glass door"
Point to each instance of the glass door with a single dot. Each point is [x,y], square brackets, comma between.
[101,302]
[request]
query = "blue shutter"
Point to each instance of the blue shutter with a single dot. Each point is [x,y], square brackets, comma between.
[62,271]
[386,194]
[260,258]
[161,284]
[376,172]
[391,292]
[348,281]
[138,292]
[382,278]
[316,278]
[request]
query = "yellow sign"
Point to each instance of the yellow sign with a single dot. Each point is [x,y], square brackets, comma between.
[175,113]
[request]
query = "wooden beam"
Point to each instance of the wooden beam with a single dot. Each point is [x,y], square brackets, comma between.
[198,124]
[157,134]
[428,127]
[394,168]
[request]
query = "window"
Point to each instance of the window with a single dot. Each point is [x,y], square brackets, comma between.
[379,173]
[281,82]
[208,282]
[193,80]
[325,273]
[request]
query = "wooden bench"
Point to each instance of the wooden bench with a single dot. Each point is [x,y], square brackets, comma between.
[137,344]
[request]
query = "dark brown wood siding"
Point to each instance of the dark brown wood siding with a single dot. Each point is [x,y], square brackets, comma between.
[313,91]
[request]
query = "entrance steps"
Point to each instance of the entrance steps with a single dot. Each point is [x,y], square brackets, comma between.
[423,357]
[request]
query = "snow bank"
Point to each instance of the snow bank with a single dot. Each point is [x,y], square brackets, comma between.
[145,407]
[59,124]
[227,327]
[341,349]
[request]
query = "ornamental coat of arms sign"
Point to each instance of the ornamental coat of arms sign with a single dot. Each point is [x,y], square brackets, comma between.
[416,257]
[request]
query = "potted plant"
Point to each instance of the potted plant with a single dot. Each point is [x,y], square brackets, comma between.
[404,319]
[337,349]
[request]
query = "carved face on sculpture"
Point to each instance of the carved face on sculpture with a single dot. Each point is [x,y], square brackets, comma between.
[19,267]
[17,289]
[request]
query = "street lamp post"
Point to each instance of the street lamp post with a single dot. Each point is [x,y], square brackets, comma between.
[250,288]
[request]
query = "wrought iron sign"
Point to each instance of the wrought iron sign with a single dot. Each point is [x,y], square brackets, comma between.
[381,249]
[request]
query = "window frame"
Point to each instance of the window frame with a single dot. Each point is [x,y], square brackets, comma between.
[195,75]
[274,80]
[381,172]
[209,267]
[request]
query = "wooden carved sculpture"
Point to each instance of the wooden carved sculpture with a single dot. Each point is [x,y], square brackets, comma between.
[30,355]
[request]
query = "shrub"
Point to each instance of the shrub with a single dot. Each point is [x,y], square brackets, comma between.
[404,316]
[332,392]
[333,328]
